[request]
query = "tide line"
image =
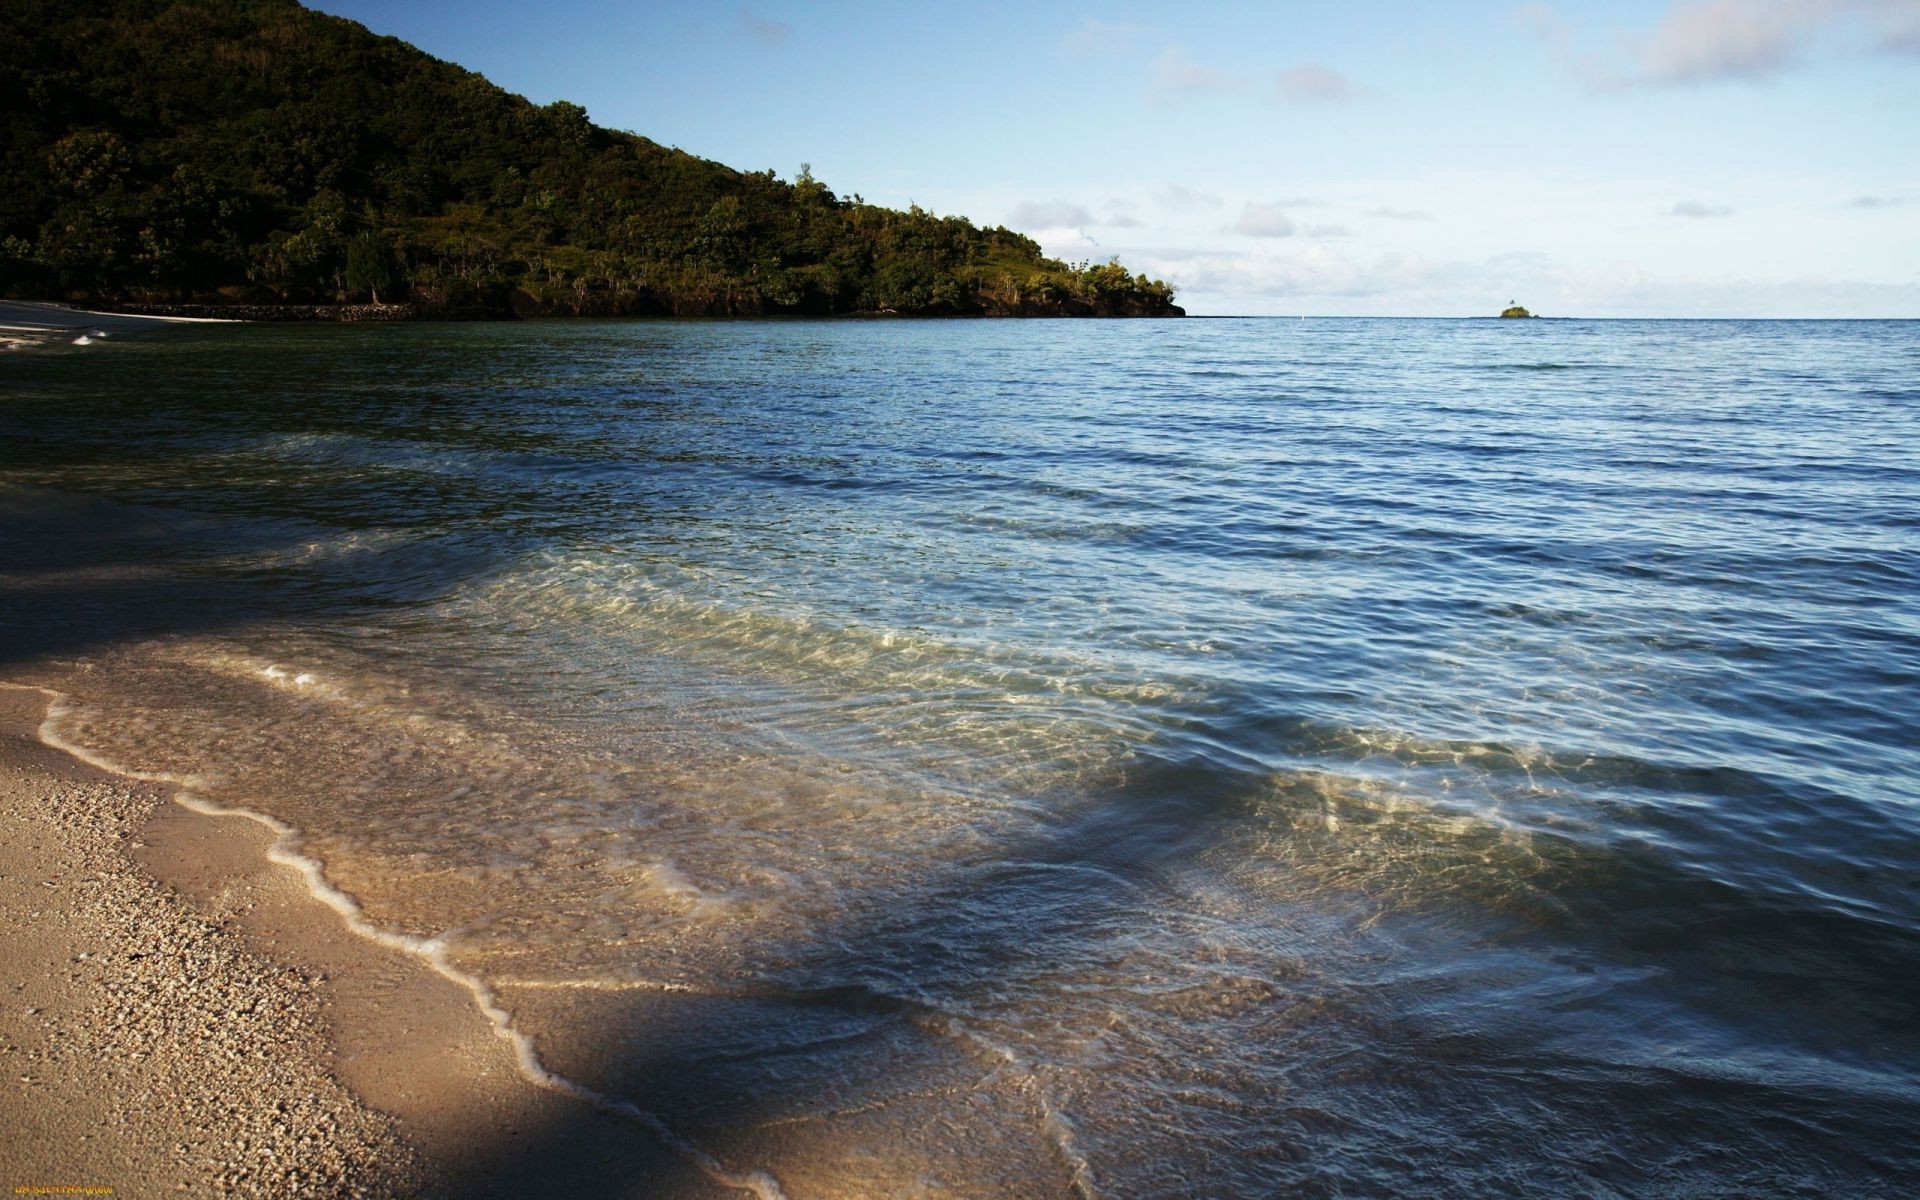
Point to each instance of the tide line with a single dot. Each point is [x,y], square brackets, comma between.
[1058,1127]
[432,951]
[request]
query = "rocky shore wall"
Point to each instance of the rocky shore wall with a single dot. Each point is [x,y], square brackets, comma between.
[523,304]
[277,312]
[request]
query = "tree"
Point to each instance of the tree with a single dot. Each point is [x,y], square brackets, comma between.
[369,265]
[88,163]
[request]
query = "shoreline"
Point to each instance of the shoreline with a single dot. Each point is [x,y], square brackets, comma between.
[25,324]
[199,1013]
[154,1051]
[18,317]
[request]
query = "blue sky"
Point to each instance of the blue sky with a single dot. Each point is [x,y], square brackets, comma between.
[1700,158]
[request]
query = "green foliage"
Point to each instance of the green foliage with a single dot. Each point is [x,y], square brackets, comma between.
[184,149]
[369,265]
[88,163]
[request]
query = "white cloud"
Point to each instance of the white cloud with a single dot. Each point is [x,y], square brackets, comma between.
[1389,213]
[1177,75]
[1097,38]
[1896,24]
[1705,40]
[1313,271]
[1263,221]
[1876,202]
[1313,83]
[1698,210]
[1074,247]
[1054,214]
[1562,40]
[1544,22]
[1175,198]
[1711,41]
[767,33]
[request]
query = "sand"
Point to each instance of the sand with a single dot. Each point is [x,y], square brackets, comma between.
[181,1015]
[24,324]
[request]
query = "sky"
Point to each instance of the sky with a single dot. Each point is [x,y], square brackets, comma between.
[1646,158]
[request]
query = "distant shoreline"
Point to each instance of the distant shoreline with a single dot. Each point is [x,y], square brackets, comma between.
[33,322]
[368,314]
[26,323]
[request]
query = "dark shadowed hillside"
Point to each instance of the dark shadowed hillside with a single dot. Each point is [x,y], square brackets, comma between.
[254,151]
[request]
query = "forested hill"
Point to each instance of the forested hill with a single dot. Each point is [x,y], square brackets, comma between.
[254,151]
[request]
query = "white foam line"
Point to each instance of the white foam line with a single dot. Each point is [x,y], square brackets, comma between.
[126,316]
[1058,1128]
[432,951]
[604,985]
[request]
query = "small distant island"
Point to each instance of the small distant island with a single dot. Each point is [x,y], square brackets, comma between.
[265,160]
[1514,310]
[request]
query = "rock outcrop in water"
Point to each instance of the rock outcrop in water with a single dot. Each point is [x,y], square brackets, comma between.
[1514,310]
[256,152]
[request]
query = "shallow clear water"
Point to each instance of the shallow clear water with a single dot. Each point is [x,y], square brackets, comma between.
[1152,759]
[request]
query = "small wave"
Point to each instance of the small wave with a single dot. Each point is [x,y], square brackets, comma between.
[686,614]
[285,851]
[862,998]
[1059,1128]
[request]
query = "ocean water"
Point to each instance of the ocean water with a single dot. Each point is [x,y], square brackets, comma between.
[1192,758]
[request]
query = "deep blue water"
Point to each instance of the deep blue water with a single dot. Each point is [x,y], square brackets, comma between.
[1229,758]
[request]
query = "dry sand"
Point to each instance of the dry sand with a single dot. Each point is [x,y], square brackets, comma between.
[24,324]
[179,1015]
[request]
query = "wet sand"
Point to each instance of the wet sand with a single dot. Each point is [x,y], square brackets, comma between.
[179,1013]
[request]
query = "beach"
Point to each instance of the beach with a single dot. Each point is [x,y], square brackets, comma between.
[181,1014]
[151,1049]
[25,324]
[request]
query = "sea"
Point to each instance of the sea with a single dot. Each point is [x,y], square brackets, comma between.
[1132,759]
